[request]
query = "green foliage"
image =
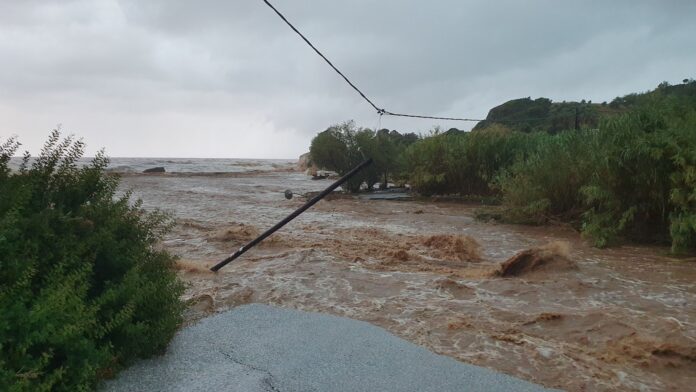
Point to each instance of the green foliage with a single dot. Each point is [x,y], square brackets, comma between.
[628,170]
[683,186]
[83,288]
[342,147]
[463,163]
[548,181]
[633,177]
[683,92]
[629,191]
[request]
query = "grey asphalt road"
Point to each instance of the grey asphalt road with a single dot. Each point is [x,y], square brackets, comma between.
[267,349]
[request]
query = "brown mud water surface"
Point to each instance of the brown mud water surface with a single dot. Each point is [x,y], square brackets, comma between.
[534,302]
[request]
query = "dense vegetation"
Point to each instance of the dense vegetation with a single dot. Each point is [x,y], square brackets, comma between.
[625,171]
[83,288]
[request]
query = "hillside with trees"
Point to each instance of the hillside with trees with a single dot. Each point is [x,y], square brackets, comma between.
[542,114]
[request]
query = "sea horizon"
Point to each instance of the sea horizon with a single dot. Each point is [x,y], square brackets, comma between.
[183,164]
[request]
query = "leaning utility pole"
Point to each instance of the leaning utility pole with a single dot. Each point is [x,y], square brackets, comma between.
[292,216]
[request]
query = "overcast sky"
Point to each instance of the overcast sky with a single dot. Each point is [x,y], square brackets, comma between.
[227,78]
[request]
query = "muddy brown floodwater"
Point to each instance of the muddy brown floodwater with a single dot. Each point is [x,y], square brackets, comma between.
[585,320]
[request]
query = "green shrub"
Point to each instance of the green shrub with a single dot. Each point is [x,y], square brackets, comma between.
[548,180]
[83,288]
[427,163]
[683,185]
[643,187]
[628,194]
[463,163]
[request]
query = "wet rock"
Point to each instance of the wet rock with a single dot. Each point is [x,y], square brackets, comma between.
[158,169]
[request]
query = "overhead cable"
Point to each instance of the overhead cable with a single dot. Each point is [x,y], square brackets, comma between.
[382,111]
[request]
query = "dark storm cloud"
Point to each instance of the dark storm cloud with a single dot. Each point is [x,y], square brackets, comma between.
[221,78]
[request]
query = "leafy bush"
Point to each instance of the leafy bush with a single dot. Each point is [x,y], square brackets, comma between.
[428,165]
[463,163]
[643,187]
[548,181]
[83,288]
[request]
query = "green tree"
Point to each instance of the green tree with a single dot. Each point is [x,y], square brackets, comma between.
[343,146]
[337,149]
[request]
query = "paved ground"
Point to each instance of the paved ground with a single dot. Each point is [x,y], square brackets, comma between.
[262,348]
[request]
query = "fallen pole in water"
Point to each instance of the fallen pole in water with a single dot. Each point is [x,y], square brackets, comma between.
[292,216]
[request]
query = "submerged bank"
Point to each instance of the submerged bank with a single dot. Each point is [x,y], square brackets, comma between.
[624,318]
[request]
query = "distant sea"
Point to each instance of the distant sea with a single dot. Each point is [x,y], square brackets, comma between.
[186,165]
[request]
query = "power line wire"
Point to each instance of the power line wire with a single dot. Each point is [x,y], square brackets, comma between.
[382,111]
[431,117]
